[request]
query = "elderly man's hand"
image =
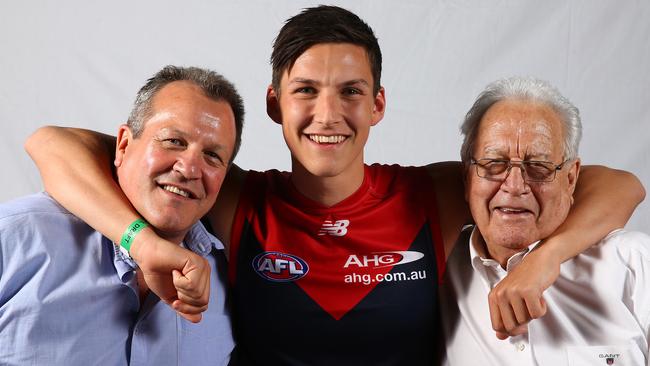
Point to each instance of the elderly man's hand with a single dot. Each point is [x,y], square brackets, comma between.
[517,299]
[178,276]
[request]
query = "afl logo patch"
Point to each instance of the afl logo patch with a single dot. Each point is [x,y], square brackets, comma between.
[280,267]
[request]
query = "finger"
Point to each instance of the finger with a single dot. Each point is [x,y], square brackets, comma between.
[520,310]
[495,314]
[195,296]
[199,305]
[502,315]
[536,307]
[519,330]
[189,312]
[195,279]
[194,318]
[507,315]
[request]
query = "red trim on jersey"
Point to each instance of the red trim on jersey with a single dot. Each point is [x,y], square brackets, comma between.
[384,216]
[248,198]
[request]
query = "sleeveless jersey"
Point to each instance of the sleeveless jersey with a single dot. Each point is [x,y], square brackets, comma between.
[351,284]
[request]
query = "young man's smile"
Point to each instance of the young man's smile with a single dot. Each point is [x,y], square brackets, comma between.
[326,106]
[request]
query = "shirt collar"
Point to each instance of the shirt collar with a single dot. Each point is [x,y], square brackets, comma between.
[197,239]
[482,264]
[200,241]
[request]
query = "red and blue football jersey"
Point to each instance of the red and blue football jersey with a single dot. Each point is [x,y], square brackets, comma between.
[351,284]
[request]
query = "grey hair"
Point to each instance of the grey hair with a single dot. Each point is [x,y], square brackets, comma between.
[522,88]
[213,85]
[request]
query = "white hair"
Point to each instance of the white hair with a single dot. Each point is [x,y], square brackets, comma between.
[528,89]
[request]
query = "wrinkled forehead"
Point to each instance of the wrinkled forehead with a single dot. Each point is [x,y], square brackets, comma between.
[524,129]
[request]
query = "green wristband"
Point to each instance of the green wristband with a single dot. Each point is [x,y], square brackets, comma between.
[128,236]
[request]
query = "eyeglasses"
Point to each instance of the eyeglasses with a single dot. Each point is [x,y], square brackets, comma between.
[532,170]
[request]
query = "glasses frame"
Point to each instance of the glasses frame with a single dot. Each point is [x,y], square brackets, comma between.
[519,164]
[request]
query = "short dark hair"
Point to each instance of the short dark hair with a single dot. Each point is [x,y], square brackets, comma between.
[323,24]
[213,85]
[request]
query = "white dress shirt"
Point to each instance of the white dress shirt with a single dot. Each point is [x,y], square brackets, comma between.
[598,309]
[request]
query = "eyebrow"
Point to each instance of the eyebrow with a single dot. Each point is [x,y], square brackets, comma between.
[302,81]
[527,156]
[172,130]
[356,81]
[299,80]
[175,131]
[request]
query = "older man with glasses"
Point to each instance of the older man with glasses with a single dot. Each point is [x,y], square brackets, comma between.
[521,161]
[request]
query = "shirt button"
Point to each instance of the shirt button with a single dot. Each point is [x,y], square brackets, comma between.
[520,347]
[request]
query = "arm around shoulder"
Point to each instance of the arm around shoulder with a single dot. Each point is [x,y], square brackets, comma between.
[453,210]
[76,168]
[604,201]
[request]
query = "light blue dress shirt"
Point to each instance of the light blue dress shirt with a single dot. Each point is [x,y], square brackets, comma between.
[69,297]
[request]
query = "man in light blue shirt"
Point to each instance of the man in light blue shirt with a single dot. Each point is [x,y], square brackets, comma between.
[69,296]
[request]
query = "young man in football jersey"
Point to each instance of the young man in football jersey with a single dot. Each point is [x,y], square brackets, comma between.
[335,262]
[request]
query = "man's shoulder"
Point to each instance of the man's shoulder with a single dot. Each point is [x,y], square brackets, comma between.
[33,205]
[36,217]
[620,248]
[626,244]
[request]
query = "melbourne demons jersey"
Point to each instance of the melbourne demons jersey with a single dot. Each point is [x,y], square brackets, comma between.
[351,284]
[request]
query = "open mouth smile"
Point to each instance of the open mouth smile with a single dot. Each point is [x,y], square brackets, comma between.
[176,190]
[512,210]
[323,139]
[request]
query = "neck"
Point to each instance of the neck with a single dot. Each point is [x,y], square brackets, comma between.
[498,253]
[173,237]
[327,191]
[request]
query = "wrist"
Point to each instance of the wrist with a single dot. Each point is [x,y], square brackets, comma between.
[549,253]
[141,244]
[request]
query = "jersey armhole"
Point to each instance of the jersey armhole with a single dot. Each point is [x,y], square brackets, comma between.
[434,226]
[253,188]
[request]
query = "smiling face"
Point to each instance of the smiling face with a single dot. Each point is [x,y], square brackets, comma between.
[326,107]
[513,214]
[173,171]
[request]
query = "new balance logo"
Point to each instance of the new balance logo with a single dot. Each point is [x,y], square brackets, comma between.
[338,228]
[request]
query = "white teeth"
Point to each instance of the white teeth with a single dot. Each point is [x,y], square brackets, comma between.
[511,210]
[322,139]
[177,191]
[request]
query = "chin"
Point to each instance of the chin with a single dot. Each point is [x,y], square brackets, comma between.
[323,170]
[170,225]
[514,238]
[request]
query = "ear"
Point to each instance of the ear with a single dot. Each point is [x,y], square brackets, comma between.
[124,137]
[273,105]
[379,106]
[572,176]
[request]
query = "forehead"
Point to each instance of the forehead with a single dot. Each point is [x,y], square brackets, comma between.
[183,102]
[527,127]
[331,57]
[181,110]
[178,94]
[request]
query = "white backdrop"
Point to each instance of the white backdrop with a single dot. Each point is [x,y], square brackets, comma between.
[80,63]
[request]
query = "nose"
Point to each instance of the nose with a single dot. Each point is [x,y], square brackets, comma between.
[328,109]
[515,183]
[188,164]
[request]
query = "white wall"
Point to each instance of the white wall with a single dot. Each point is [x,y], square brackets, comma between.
[80,63]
